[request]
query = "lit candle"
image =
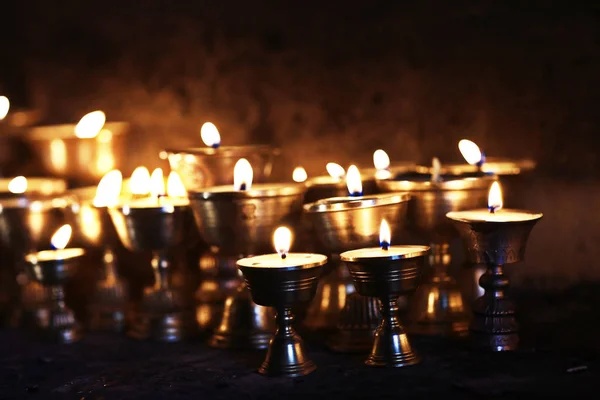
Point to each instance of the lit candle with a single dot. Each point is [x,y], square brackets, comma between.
[282,240]
[109,189]
[471,152]
[90,125]
[381,161]
[386,251]
[174,195]
[139,183]
[495,212]
[299,175]
[354,181]
[59,242]
[4,107]
[210,135]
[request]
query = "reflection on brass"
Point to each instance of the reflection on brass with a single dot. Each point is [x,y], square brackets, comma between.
[282,289]
[437,307]
[324,311]
[55,320]
[357,324]
[167,311]
[244,324]
[219,279]
[222,219]
[204,166]
[85,160]
[386,279]
[494,244]
[346,223]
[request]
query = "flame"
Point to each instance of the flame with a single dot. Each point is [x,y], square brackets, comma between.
[242,175]
[175,186]
[495,197]
[381,160]
[18,185]
[109,189]
[354,181]
[336,171]
[385,235]
[282,241]
[61,237]
[470,151]
[90,125]
[139,184]
[210,135]
[299,175]
[436,167]
[157,183]
[4,107]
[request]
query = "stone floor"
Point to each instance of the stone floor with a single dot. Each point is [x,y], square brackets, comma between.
[559,356]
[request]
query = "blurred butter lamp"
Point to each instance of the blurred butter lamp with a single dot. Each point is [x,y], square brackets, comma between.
[159,224]
[52,268]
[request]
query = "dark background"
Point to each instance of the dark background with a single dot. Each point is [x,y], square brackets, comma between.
[333,81]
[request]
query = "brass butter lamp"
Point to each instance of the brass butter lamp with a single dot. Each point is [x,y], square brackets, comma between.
[387,272]
[284,280]
[494,237]
[160,224]
[238,220]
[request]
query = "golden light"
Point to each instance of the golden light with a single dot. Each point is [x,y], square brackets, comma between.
[90,125]
[436,168]
[139,184]
[61,237]
[175,186]
[495,197]
[470,151]
[299,175]
[18,185]
[210,135]
[385,235]
[381,160]
[157,183]
[354,181]
[282,241]
[109,189]
[242,175]
[58,155]
[4,107]
[336,171]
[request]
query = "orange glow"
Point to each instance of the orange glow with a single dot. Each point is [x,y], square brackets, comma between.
[381,160]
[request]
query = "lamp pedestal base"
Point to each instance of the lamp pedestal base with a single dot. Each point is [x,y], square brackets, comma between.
[391,347]
[358,321]
[286,355]
[494,326]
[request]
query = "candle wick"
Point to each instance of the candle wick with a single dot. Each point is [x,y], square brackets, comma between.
[283,256]
[492,209]
[215,145]
[385,246]
[356,194]
[243,186]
